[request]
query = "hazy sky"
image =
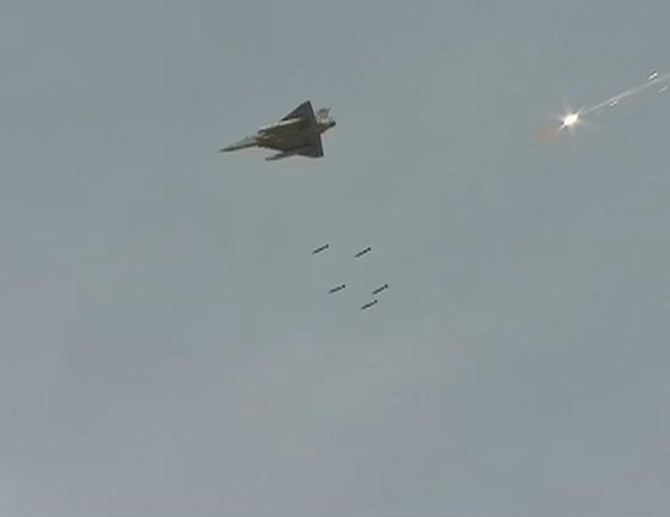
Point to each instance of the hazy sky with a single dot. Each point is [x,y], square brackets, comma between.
[167,345]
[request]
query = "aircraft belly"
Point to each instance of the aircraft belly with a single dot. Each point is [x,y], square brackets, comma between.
[285,142]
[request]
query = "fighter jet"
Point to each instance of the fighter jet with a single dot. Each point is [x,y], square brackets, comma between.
[298,133]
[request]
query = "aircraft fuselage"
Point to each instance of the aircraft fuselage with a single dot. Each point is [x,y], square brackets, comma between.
[299,133]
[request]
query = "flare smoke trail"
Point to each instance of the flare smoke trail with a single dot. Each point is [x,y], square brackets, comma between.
[655,80]
[574,119]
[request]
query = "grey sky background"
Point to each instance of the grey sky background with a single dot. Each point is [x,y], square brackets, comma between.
[167,347]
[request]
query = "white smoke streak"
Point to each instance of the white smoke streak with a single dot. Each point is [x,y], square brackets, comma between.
[654,80]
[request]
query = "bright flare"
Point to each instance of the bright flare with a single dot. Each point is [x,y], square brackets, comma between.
[570,119]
